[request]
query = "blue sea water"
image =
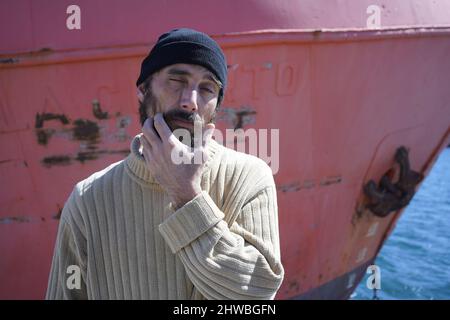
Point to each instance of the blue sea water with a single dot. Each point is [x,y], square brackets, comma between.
[415,260]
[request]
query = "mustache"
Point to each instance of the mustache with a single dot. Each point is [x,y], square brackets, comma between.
[178,114]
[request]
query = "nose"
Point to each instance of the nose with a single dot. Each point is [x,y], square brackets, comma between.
[189,100]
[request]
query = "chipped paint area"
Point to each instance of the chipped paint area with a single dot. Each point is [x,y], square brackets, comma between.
[20,219]
[65,160]
[373,229]
[86,130]
[237,118]
[330,180]
[361,255]
[97,110]
[296,186]
[89,133]
[43,117]
[351,280]
[57,216]
[309,184]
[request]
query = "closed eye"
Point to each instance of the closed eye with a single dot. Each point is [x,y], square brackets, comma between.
[207,89]
[176,80]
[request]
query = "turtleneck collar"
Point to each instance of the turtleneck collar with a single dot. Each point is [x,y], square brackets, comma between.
[138,168]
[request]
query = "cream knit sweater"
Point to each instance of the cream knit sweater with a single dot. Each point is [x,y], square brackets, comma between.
[119,228]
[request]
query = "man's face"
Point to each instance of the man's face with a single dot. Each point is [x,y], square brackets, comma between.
[183,93]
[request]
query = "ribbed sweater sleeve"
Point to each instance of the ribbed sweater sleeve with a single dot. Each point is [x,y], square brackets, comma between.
[70,250]
[240,261]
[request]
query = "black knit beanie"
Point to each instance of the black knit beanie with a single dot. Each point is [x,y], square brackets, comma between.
[185,46]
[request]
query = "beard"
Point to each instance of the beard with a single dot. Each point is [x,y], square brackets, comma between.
[173,117]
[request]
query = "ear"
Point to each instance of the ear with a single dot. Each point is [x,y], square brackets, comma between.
[140,93]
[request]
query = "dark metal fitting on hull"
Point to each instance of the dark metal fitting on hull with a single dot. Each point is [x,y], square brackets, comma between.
[389,196]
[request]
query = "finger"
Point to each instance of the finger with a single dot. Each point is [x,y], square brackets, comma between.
[147,148]
[145,144]
[149,131]
[162,127]
[198,133]
[210,127]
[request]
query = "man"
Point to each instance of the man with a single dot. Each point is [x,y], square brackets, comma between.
[149,228]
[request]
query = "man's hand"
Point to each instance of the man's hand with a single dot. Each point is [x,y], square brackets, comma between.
[181,181]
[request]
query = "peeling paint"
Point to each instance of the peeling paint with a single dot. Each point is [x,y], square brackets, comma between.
[58,215]
[331,180]
[84,156]
[291,187]
[293,285]
[64,160]
[351,280]
[92,155]
[18,219]
[238,117]
[41,118]
[243,117]
[123,122]
[361,255]
[56,160]
[86,130]
[97,110]
[296,186]
[373,229]
[9,60]
[45,50]
[42,134]
[317,33]
[21,219]
[308,184]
